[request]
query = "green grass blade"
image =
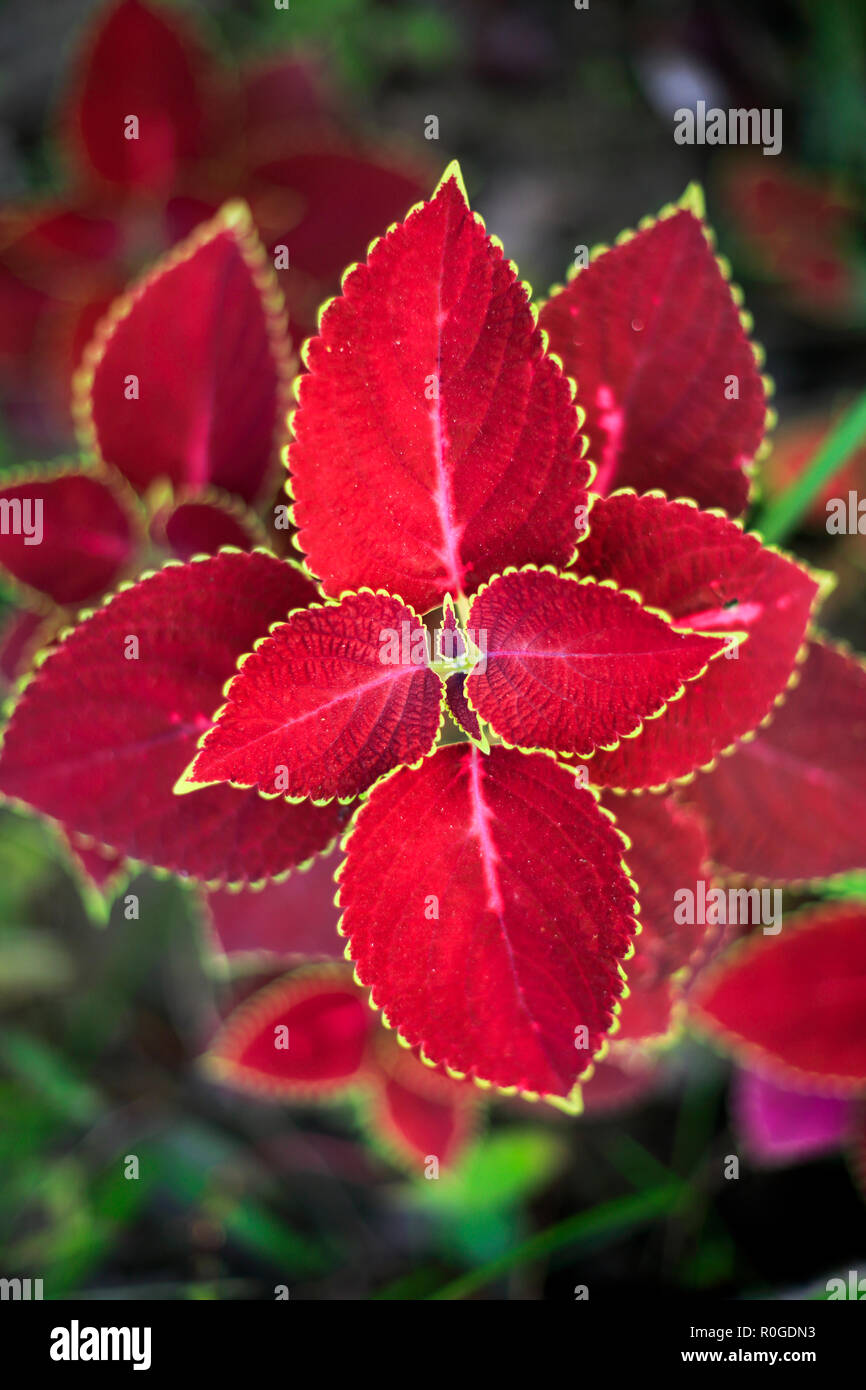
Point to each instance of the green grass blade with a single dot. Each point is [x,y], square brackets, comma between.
[607,1219]
[781,515]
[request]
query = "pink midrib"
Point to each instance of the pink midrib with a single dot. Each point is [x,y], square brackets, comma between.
[489,852]
[443,497]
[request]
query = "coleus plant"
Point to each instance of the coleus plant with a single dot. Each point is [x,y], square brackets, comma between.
[604,637]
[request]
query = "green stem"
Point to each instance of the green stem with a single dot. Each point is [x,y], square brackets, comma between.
[782,514]
[586,1225]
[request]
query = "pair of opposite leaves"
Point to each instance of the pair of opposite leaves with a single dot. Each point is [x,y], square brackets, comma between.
[507,478]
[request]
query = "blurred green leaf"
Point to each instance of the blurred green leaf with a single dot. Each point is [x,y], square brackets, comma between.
[49,1075]
[32,963]
[851,885]
[503,1170]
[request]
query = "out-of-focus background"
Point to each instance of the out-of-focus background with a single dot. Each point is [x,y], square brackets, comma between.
[563,121]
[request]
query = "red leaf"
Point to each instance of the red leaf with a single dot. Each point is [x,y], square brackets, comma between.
[419,1112]
[339,198]
[668,851]
[23,634]
[652,334]
[801,228]
[813,753]
[793,1006]
[293,920]
[328,1024]
[97,740]
[99,873]
[97,866]
[203,525]
[209,315]
[330,701]
[55,244]
[69,536]
[620,1081]
[459,708]
[573,667]
[708,575]
[487,908]
[143,63]
[435,443]
[281,91]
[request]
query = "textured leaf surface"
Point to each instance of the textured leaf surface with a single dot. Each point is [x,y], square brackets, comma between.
[435,443]
[779,1125]
[534,915]
[184,379]
[293,920]
[327,1022]
[328,703]
[574,667]
[814,754]
[141,62]
[652,335]
[82,536]
[794,1005]
[668,851]
[98,740]
[708,575]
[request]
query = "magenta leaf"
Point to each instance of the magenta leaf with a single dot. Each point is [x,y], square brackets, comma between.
[781,1125]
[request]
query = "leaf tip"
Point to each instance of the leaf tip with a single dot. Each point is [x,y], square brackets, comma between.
[453,174]
[693,200]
